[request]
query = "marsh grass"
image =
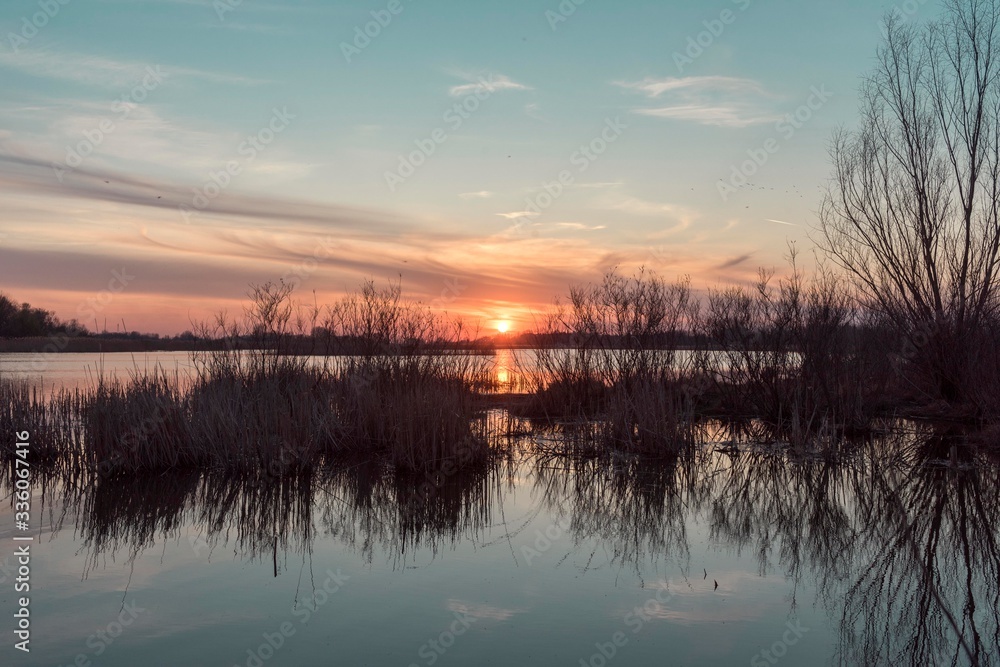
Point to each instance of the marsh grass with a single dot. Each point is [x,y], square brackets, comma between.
[623,372]
[643,367]
[401,384]
[257,404]
[648,362]
[799,355]
[52,422]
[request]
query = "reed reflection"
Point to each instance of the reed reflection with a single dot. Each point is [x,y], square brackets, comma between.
[898,534]
[369,506]
[635,511]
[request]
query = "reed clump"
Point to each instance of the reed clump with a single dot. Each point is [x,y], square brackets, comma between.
[644,361]
[384,387]
[798,354]
[402,383]
[624,370]
[135,424]
[50,420]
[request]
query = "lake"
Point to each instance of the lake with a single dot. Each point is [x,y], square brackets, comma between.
[881,553]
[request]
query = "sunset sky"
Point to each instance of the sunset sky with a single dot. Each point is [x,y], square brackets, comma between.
[176,151]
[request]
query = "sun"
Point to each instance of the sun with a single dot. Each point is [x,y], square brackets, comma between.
[503,326]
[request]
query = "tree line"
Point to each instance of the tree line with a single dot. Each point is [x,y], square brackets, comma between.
[24,321]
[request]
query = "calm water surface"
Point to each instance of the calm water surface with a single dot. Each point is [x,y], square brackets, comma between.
[71,371]
[880,555]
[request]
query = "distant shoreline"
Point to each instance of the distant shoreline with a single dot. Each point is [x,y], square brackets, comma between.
[94,345]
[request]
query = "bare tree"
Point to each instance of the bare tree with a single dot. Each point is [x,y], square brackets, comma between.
[912,211]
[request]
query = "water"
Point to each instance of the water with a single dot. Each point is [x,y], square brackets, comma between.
[856,559]
[511,369]
[71,371]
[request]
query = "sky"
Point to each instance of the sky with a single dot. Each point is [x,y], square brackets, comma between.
[158,157]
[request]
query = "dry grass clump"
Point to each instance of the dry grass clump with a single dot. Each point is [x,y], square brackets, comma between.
[624,369]
[645,360]
[402,385]
[256,403]
[50,421]
[799,355]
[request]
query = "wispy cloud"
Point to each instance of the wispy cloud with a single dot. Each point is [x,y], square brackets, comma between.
[708,100]
[482,194]
[724,116]
[654,88]
[681,216]
[141,140]
[735,261]
[93,70]
[482,611]
[26,174]
[490,83]
[514,215]
[246,238]
[579,226]
[642,207]
[532,110]
[597,185]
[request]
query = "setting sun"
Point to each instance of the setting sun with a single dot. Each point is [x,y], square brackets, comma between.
[503,326]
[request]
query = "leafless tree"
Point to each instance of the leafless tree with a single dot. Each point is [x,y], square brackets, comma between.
[913,209]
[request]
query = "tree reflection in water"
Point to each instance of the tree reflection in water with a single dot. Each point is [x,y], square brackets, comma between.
[899,533]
